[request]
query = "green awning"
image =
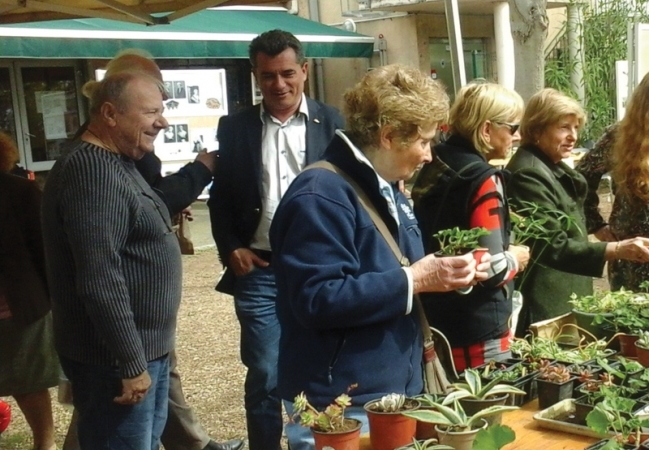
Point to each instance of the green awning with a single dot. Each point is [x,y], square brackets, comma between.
[213,33]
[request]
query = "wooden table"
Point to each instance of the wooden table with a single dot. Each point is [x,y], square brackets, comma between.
[529,435]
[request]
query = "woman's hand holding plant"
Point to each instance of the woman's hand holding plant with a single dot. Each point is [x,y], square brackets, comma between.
[522,255]
[433,274]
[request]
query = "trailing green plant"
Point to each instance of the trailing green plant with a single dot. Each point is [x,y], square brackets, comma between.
[630,315]
[529,223]
[622,370]
[473,388]
[455,241]
[536,348]
[453,417]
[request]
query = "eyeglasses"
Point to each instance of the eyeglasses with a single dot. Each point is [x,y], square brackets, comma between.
[513,127]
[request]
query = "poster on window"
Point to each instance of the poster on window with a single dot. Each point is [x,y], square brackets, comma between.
[194,102]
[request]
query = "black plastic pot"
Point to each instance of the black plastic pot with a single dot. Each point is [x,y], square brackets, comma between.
[551,393]
[472,406]
[599,444]
[582,408]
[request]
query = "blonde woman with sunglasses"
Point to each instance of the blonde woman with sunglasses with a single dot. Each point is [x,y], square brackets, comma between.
[459,188]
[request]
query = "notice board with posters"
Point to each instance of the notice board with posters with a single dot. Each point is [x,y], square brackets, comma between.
[197,99]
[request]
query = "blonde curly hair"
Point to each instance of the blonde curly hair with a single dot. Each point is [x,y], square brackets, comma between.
[398,95]
[9,155]
[631,147]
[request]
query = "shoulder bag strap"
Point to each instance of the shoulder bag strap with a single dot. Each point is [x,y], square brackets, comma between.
[383,229]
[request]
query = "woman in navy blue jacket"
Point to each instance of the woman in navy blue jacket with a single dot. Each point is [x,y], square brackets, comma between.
[344,302]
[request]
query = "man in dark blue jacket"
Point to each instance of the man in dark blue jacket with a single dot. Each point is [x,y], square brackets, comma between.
[261,150]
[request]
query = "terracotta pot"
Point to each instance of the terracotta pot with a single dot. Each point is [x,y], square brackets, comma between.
[459,440]
[390,430]
[425,430]
[341,440]
[643,354]
[478,253]
[627,347]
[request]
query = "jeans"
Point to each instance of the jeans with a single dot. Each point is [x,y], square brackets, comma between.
[104,424]
[254,303]
[301,438]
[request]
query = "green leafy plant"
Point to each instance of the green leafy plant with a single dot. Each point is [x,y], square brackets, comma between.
[455,241]
[494,437]
[615,414]
[529,223]
[599,302]
[330,420]
[473,388]
[454,418]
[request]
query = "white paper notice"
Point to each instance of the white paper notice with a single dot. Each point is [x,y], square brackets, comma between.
[53,107]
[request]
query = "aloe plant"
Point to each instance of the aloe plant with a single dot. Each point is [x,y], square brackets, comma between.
[455,418]
[473,388]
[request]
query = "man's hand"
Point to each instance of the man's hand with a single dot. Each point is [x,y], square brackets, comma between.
[243,260]
[134,389]
[208,158]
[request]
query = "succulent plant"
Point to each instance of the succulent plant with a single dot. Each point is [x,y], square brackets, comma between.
[557,373]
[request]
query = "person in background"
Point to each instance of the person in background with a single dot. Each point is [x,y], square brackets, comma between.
[623,152]
[182,430]
[566,261]
[344,301]
[262,149]
[459,188]
[28,360]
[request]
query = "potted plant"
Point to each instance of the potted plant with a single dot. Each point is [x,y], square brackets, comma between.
[455,241]
[519,374]
[554,383]
[642,348]
[454,426]
[474,396]
[330,427]
[614,414]
[591,311]
[389,427]
[428,444]
[426,431]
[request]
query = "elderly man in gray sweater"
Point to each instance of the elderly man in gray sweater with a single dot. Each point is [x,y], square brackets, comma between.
[114,266]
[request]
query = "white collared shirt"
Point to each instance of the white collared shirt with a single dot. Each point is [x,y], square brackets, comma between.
[283,156]
[388,194]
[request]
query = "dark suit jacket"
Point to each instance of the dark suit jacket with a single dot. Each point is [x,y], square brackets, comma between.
[235,196]
[22,260]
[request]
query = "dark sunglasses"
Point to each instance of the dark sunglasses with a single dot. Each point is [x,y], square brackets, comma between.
[513,127]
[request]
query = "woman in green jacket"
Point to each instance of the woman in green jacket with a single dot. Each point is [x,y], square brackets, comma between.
[564,262]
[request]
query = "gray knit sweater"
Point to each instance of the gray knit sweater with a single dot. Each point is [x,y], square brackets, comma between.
[113,262]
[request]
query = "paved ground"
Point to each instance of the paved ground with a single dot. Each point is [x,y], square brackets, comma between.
[200,227]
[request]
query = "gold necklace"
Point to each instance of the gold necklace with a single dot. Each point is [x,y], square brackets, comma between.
[103,144]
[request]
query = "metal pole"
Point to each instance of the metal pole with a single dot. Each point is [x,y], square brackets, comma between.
[455,40]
